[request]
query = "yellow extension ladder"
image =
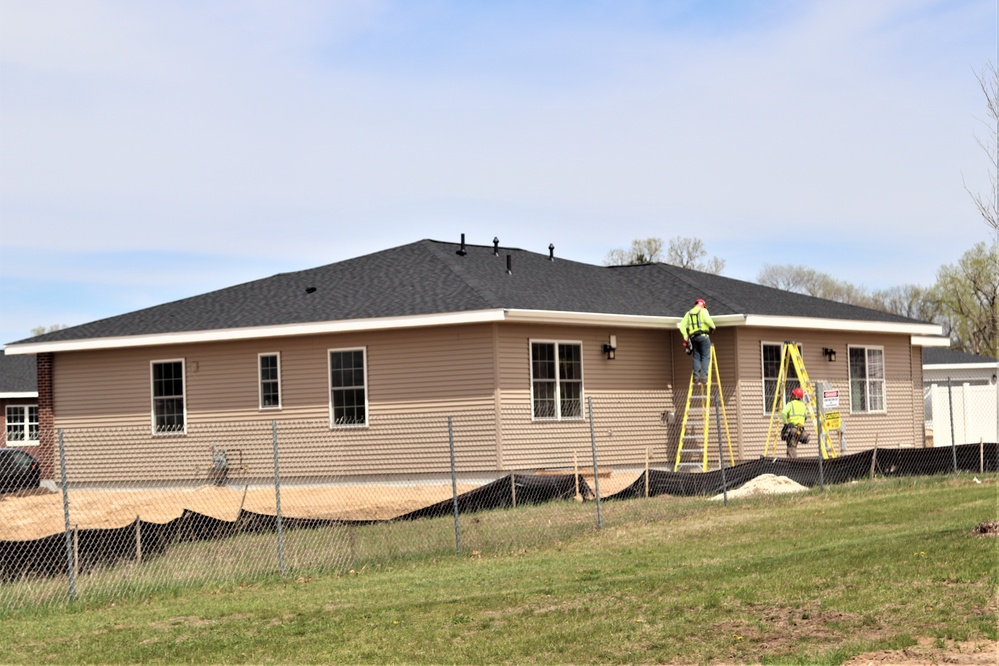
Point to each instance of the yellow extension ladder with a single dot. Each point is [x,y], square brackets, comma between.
[791,357]
[699,405]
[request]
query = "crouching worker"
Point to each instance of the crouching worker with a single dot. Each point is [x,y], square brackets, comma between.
[793,418]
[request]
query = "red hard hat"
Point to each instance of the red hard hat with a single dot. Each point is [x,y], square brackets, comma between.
[797,392]
[700,301]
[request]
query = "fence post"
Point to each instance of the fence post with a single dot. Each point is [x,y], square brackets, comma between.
[454,486]
[138,540]
[721,458]
[820,423]
[596,470]
[953,437]
[70,560]
[277,498]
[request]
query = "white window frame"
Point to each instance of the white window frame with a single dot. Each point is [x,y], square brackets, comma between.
[558,380]
[153,397]
[261,380]
[329,384]
[867,380]
[789,383]
[25,422]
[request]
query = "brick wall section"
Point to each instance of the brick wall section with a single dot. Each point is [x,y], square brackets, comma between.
[47,454]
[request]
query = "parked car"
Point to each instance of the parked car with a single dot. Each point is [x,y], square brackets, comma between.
[18,470]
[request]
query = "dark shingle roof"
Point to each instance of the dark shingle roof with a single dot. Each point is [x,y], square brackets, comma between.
[18,374]
[945,356]
[430,277]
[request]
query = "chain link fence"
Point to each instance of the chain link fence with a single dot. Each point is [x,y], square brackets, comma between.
[123,512]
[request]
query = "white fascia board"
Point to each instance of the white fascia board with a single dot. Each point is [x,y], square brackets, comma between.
[930,341]
[846,325]
[960,366]
[19,394]
[590,319]
[225,335]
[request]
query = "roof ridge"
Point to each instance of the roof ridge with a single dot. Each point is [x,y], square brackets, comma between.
[486,295]
[708,294]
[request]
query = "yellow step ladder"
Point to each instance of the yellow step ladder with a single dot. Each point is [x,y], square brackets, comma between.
[699,405]
[791,358]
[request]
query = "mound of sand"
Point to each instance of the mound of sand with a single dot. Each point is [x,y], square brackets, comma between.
[764,484]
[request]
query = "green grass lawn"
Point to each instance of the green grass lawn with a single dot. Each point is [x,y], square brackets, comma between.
[808,578]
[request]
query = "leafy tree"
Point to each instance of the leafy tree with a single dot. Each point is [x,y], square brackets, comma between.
[682,252]
[966,296]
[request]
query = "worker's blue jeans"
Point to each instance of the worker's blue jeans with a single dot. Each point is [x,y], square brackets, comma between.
[702,355]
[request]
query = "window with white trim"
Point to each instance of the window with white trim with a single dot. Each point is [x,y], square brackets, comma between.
[269,366]
[557,380]
[22,425]
[867,379]
[168,397]
[771,356]
[348,388]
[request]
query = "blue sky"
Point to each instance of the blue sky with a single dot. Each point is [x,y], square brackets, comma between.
[155,150]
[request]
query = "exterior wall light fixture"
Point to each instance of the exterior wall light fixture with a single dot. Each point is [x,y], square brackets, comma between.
[830,354]
[610,348]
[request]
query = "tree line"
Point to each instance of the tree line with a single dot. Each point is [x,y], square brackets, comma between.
[963,300]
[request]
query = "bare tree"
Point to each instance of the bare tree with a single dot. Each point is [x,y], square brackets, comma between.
[682,252]
[690,253]
[644,251]
[41,330]
[988,206]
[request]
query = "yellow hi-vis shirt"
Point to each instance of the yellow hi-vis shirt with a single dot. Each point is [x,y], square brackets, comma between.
[697,320]
[794,413]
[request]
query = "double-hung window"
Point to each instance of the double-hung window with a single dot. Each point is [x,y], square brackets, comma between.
[168,397]
[348,388]
[867,379]
[772,357]
[270,380]
[557,380]
[22,425]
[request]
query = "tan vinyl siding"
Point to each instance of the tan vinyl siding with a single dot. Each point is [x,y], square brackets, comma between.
[629,394]
[480,375]
[416,379]
[892,428]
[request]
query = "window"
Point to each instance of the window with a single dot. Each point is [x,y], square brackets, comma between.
[270,381]
[22,425]
[771,353]
[867,379]
[168,397]
[348,388]
[557,380]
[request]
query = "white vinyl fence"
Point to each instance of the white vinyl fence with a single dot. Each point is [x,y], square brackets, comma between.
[962,413]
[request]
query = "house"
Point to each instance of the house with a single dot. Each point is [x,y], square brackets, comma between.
[19,401]
[431,329]
[961,397]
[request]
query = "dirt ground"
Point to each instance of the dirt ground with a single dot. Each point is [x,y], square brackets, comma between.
[927,652]
[32,515]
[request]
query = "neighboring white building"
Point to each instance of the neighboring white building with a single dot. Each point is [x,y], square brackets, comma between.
[961,397]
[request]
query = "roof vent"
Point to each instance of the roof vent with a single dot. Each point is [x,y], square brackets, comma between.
[461,252]
[551,252]
[495,246]
[310,290]
[509,265]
